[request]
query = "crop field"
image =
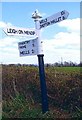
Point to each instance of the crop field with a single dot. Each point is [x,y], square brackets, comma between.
[21,92]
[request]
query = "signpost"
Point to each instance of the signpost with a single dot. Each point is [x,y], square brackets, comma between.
[15,31]
[34,46]
[39,24]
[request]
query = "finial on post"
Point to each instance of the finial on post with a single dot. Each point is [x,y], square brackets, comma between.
[36,15]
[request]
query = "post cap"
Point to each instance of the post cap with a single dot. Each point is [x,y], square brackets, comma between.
[36,15]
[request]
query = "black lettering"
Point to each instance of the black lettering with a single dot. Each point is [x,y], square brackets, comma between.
[33,45]
[13,31]
[29,32]
[9,30]
[63,18]
[41,26]
[27,42]
[53,21]
[25,52]
[26,32]
[33,32]
[59,19]
[48,23]
[22,52]
[20,32]
[32,51]
[45,24]
[21,47]
[21,43]
[62,12]
[43,21]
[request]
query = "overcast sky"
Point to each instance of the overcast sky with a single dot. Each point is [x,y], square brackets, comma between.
[60,40]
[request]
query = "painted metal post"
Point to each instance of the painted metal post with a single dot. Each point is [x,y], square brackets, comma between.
[43,84]
[36,16]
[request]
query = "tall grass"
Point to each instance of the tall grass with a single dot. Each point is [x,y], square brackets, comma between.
[22,93]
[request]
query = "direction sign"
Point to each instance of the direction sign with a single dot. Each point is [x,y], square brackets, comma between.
[60,16]
[27,48]
[15,31]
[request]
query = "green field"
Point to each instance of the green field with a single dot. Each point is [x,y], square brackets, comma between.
[22,93]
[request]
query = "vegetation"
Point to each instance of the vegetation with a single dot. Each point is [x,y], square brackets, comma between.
[22,94]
